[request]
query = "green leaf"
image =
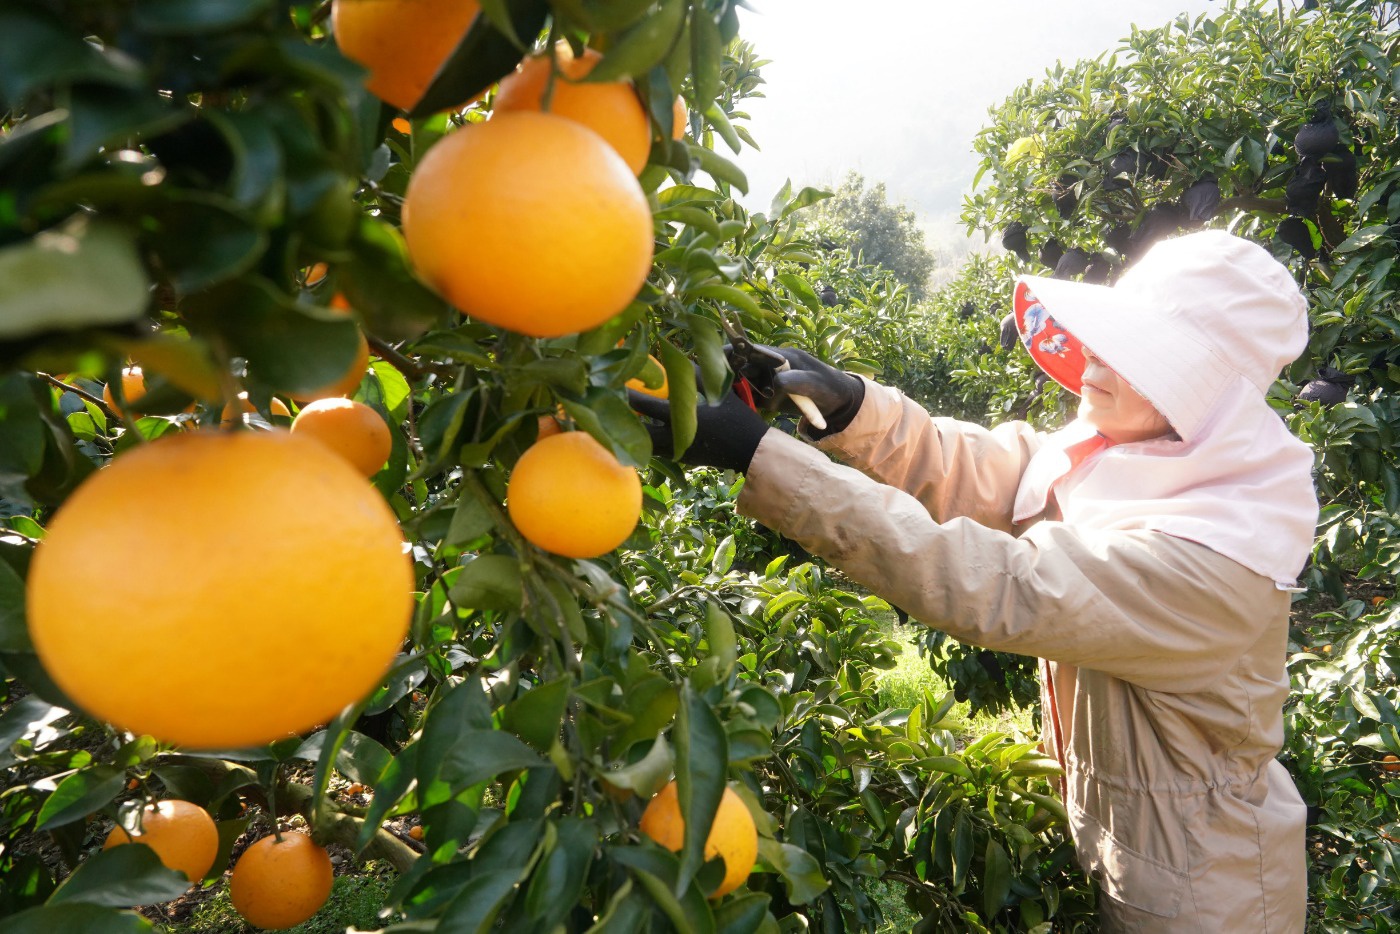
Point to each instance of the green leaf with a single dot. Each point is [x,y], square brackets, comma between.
[649,774]
[658,873]
[187,18]
[962,848]
[484,56]
[489,582]
[536,715]
[635,51]
[122,877]
[40,51]
[742,914]
[719,631]
[680,378]
[626,912]
[719,168]
[23,438]
[85,273]
[558,881]
[470,520]
[105,115]
[706,57]
[996,881]
[729,295]
[475,908]
[380,285]
[709,351]
[79,795]
[203,240]
[801,873]
[1363,237]
[78,918]
[702,759]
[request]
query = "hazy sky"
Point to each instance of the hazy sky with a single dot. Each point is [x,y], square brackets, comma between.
[896,89]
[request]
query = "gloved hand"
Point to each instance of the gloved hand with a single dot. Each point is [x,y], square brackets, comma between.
[726,435]
[837,395]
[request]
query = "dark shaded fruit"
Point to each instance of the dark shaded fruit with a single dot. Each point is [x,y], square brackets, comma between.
[1328,389]
[1040,378]
[1072,264]
[1202,199]
[1309,5]
[1340,169]
[967,310]
[1319,135]
[1155,165]
[1118,237]
[1050,253]
[1115,120]
[1161,220]
[1063,193]
[1305,187]
[984,348]
[1010,336]
[1013,239]
[1297,233]
[1100,269]
[1122,169]
[828,296]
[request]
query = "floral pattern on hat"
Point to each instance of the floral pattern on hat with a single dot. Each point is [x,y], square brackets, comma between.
[1052,348]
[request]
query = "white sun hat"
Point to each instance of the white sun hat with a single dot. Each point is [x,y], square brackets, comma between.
[1194,314]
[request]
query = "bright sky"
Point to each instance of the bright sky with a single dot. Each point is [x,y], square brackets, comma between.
[896,89]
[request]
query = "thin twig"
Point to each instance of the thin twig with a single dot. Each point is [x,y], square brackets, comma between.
[397,360]
[82,394]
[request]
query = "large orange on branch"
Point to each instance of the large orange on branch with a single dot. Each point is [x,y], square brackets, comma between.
[220,589]
[609,108]
[530,222]
[570,496]
[183,835]
[403,43]
[280,883]
[733,835]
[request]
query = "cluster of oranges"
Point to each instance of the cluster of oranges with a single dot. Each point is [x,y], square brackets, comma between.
[221,549]
[279,881]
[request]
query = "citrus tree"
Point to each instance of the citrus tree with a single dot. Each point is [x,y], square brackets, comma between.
[327,522]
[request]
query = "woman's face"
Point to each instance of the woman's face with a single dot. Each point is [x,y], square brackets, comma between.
[1114,408]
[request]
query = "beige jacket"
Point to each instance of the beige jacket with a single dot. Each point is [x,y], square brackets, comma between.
[1164,681]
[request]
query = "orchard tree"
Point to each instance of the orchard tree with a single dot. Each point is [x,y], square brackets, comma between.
[881,232]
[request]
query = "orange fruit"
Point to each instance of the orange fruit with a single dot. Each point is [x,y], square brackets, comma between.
[661,392]
[133,388]
[402,42]
[277,884]
[415,832]
[570,496]
[529,222]
[183,639]
[351,429]
[315,273]
[549,425]
[182,834]
[679,117]
[609,108]
[733,835]
[229,416]
[1391,763]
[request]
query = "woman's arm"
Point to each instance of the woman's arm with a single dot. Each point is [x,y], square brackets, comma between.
[1158,611]
[952,468]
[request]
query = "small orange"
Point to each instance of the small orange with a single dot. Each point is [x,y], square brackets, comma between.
[549,425]
[679,116]
[529,222]
[733,835]
[570,496]
[229,416]
[315,273]
[1391,763]
[415,832]
[609,108]
[276,884]
[402,126]
[401,42]
[351,429]
[182,834]
[133,388]
[661,392]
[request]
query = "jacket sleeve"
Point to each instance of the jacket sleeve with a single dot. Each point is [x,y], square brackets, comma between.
[1158,611]
[953,468]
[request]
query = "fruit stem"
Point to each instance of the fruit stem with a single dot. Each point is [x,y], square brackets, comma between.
[272,801]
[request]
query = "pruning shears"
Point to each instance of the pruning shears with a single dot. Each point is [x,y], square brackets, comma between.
[744,353]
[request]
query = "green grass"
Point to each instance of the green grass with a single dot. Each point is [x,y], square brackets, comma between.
[354,901]
[905,684]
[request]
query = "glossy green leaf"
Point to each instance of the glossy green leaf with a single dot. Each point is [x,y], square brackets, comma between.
[642,46]
[85,273]
[702,759]
[77,918]
[800,871]
[484,56]
[489,582]
[120,878]
[186,18]
[537,715]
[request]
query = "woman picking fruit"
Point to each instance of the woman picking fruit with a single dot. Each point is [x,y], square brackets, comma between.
[1145,552]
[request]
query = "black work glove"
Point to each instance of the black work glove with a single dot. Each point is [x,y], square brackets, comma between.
[726,435]
[837,395]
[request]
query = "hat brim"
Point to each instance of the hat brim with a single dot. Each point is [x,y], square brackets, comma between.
[1168,366]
